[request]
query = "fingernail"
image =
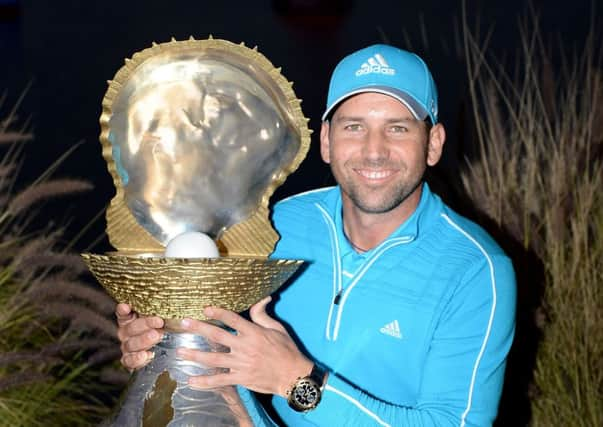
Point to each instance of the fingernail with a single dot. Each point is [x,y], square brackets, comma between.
[208,311]
[185,323]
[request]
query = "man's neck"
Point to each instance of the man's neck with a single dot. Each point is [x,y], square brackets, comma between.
[365,230]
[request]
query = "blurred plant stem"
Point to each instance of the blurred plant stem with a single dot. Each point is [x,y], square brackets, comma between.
[538,173]
[57,335]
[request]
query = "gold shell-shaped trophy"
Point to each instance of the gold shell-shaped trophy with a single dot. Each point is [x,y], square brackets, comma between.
[197,135]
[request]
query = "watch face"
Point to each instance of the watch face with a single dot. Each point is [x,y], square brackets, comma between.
[305,395]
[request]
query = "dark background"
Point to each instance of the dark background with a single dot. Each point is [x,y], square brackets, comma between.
[65,51]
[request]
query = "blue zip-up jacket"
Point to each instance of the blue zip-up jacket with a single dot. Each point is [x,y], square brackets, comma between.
[414,332]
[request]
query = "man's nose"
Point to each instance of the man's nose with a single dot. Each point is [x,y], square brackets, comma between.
[376,146]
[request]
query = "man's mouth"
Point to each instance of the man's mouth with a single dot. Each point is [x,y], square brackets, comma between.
[375,174]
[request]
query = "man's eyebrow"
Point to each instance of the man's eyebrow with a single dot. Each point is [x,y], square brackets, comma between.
[402,119]
[408,119]
[339,119]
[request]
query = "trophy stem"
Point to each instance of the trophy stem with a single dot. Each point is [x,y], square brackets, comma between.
[159,396]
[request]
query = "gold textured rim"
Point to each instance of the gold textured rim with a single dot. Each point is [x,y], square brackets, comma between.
[178,287]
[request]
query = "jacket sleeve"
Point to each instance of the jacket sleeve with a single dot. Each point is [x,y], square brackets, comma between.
[256,412]
[464,367]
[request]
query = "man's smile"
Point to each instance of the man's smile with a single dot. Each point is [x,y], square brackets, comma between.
[375,174]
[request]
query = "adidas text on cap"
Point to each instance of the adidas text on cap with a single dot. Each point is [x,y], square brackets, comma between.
[388,70]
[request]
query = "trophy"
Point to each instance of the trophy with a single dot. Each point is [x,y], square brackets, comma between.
[197,135]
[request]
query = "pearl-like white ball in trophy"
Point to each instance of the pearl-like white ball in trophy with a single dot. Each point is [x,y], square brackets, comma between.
[192,244]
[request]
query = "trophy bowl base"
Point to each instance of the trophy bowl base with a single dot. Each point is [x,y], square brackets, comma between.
[175,288]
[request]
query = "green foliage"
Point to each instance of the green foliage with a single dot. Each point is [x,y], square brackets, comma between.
[57,341]
[538,174]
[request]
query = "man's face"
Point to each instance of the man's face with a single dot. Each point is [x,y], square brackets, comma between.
[378,152]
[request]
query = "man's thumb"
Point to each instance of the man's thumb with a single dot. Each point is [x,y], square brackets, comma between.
[258,315]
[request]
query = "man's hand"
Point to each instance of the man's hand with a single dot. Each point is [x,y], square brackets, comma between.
[262,356]
[137,336]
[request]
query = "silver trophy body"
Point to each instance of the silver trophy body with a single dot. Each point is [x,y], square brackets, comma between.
[162,385]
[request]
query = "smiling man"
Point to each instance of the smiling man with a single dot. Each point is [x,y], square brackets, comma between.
[405,313]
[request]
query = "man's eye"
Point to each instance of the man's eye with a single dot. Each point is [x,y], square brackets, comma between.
[353,127]
[398,129]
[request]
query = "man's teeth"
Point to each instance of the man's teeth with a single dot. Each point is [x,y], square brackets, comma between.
[375,174]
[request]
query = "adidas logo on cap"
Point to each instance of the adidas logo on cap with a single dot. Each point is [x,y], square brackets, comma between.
[388,70]
[375,64]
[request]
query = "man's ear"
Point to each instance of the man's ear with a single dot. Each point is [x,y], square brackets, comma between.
[324,142]
[435,145]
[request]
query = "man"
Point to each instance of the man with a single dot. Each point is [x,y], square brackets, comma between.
[405,312]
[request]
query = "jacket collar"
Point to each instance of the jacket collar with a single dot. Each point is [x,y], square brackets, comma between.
[430,206]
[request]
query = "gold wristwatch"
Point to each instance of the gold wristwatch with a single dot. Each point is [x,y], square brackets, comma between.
[305,394]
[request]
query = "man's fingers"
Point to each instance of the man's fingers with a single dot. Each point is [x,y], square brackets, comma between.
[211,381]
[259,316]
[142,342]
[124,314]
[137,336]
[208,359]
[123,309]
[207,330]
[260,306]
[138,327]
[229,318]
[136,360]
[143,324]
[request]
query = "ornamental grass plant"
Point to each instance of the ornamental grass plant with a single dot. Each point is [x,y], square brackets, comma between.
[538,174]
[57,335]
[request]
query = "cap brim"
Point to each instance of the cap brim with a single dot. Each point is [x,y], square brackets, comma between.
[408,101]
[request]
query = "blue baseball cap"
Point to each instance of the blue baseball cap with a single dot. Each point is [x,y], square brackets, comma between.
[385,69]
